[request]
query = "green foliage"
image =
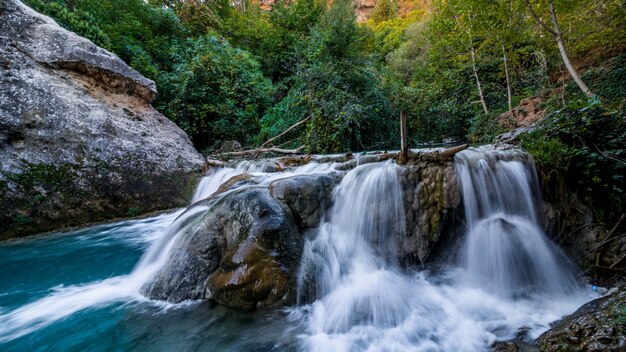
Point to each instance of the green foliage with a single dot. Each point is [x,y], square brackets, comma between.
[336,86]
[133,211]
[220,92]
[586,146]
[350,79]
[23,219]
[384,10]
[79,21]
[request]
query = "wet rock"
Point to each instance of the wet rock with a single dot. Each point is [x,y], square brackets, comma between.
[249,277]
[243,253]
[504,347]
[430,191]
[231,182]
[229,147]
[599,325]
[307,196]
[79,141]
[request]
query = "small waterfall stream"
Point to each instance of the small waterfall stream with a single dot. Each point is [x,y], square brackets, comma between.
[353,256]
[506,250]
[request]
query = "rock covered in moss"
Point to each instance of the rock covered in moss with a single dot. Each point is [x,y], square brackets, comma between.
[243,253]
[599,325]
[79,141]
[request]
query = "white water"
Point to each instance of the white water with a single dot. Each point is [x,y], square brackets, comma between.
[158,232]
[216,176]
[65,301]
[366,303]
[506,250]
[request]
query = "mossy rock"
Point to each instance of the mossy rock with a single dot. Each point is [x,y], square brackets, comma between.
[599,325]
[249,277]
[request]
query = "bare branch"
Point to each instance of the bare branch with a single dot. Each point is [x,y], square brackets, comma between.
[538,19]
[294,126]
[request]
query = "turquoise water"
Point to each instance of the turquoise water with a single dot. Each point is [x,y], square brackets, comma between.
[63,292]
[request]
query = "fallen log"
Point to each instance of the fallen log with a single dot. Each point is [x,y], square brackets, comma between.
[257,151]
[448,153]
[213,162]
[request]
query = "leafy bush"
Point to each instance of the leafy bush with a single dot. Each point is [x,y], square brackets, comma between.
[219,93]
[587,146]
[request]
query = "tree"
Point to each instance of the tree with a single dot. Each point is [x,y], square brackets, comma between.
[336,87]
[220,93]
[558,36]
[383,10]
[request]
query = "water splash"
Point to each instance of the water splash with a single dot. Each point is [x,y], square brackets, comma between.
[506,250]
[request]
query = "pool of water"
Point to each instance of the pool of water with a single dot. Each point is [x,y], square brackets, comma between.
[54,298]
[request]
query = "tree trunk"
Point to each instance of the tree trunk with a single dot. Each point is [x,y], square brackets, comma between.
[508,82]
[480,89]
[404,149]
[559,41]
[558,36]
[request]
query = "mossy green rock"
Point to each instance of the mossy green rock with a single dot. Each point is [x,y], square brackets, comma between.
[249,277]
[599,325]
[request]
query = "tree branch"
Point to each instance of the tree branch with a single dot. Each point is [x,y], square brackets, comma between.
[294,126]
[538,19]
[264,150]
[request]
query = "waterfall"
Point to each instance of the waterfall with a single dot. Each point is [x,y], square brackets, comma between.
[353,257]
[511,277]
[506,251]
[353,296]
[218,175]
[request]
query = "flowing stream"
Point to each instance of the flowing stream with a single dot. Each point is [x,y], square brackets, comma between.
[80,290]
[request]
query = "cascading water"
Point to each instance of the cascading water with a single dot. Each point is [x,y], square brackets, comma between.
[362,300]
[216,176]
[506,250]
[354,251]
[512,277]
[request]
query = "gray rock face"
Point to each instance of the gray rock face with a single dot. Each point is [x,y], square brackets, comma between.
[243,253]
[431,194]
[79,141]
[308,196]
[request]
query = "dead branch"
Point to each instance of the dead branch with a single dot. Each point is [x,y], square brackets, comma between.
[448,153]
[294,126]
[264,150]
[606,240]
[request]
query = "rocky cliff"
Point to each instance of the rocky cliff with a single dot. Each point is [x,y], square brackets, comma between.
[79,140]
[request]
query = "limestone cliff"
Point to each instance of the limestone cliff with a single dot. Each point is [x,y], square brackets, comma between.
[79,140]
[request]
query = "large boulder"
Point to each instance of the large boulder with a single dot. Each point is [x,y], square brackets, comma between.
[243,253]
[79,140]
[245,250]
[307,196]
